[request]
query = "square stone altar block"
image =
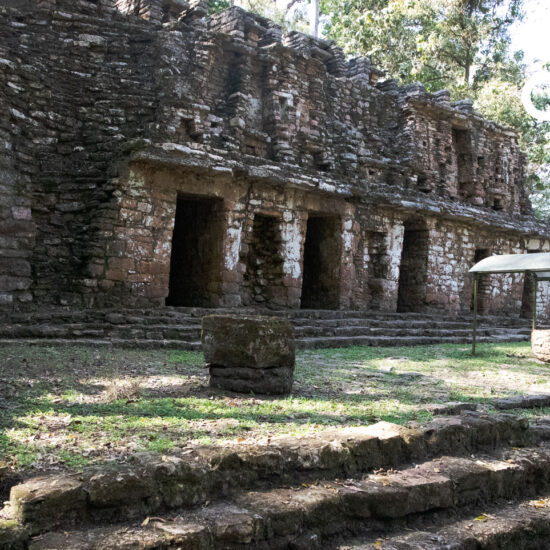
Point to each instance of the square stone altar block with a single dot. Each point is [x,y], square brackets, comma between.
[540,344]
[249,353]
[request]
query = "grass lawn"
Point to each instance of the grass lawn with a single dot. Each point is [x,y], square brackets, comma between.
[68,407]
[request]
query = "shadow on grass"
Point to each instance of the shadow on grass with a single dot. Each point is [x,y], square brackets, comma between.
[326,394]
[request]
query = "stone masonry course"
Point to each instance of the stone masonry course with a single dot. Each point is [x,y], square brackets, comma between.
[151,155]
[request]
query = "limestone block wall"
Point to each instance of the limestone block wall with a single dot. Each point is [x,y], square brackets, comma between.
[377,257]
[137,266]
[114,112]
[17,228]
[461,156]
[452,252]
[72,92]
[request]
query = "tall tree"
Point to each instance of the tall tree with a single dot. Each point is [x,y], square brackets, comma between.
[443,43]
[314,18]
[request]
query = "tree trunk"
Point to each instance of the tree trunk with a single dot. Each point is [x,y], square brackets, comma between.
[467,69]
[314,23]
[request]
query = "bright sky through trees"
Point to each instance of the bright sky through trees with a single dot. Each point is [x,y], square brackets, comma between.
[532,35]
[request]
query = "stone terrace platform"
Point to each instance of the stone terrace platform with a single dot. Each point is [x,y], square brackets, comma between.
[179,328]
[463,482]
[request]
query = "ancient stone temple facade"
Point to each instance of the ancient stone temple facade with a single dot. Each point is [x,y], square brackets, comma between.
[151,155]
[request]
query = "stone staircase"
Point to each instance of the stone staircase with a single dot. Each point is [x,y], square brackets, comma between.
[465,482]
[180,327]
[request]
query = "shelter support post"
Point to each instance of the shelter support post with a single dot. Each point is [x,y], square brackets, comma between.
[474,328]
[535,301]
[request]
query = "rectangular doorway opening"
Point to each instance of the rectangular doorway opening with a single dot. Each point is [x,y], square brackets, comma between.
[378,269]
[527,296]
[528,291]
[413,273]
[484,286]
[196,253]
[264,263]
[322,255]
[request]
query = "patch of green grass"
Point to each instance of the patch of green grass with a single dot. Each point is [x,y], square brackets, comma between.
[67,407]
[187,357]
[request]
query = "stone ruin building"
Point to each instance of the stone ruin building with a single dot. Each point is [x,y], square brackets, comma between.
[151,155]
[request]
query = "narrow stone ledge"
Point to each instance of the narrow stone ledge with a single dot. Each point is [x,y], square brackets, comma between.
[522,402]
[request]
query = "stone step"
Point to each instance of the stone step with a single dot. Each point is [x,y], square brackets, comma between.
[524,524]
[168,315]
[442,330]
[318,342]
[151,482]
[192,332]
[106,342]
[179,328]
[145,321]
[382,341]
[279,517]
[301,343]
[184,332]
[194,325]
[390,323]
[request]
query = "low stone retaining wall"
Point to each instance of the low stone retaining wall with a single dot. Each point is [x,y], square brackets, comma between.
[151,482]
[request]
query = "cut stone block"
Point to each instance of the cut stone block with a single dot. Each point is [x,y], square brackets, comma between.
[249,353]
[540,344]
[43,501]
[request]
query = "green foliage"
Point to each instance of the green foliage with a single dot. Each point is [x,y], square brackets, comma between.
[291,16]
[215,6]
[442,43]
[499,98]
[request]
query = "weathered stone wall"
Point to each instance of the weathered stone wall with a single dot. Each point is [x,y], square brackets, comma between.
[459,155]
[115,109]
[75,86]
[137,266]
[453,251]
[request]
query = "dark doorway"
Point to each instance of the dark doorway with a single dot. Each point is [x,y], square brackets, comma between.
[321,271]
[196,253]
[264,264]
[378,269]
[527,296]
[413,272]
[528,290]
[484,286]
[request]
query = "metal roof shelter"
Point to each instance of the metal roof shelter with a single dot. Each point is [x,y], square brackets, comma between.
[538,264]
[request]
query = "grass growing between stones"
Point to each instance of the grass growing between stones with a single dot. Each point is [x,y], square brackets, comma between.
[68,407]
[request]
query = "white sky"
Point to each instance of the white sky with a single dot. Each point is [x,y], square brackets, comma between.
[532,35]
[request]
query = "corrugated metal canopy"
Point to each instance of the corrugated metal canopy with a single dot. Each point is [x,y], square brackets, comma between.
[516,263]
